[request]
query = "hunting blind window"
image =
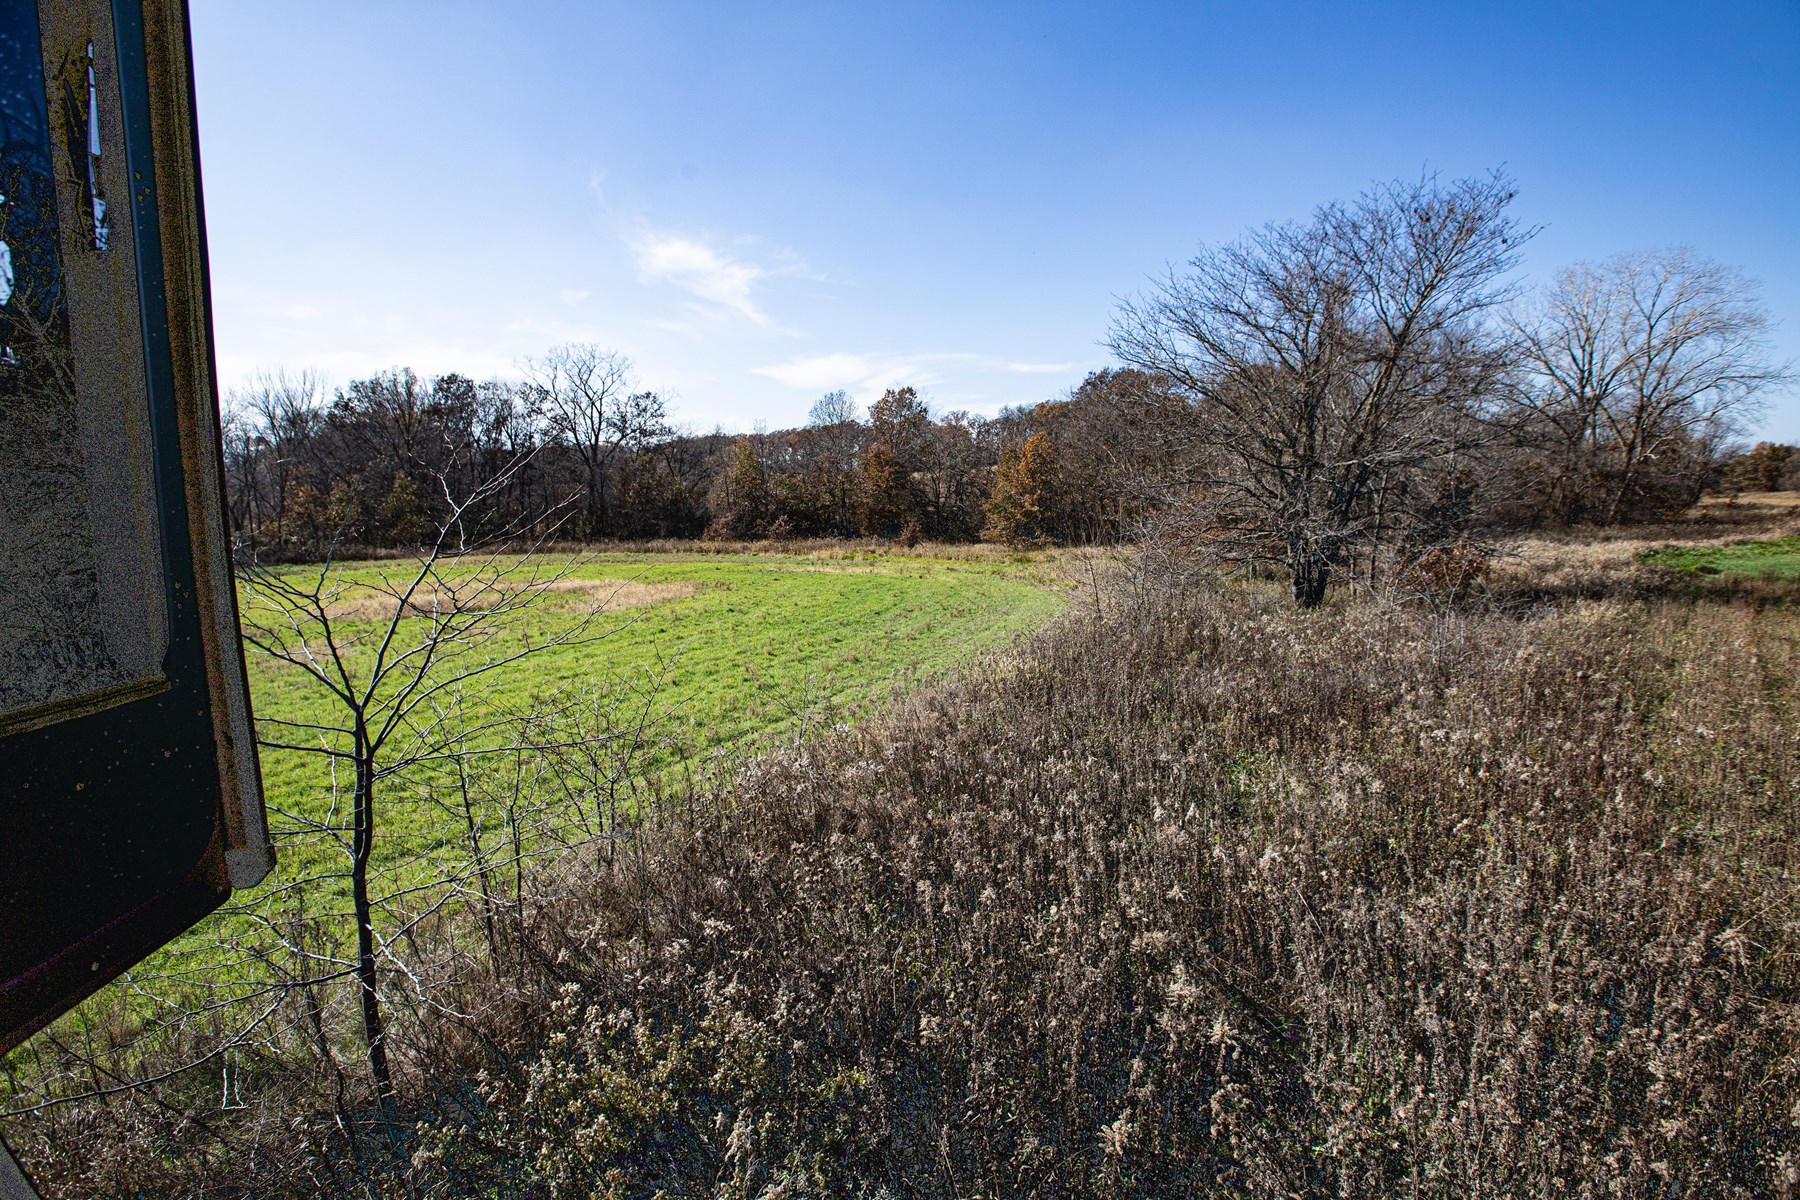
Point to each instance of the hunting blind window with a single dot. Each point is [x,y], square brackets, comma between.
[129,796]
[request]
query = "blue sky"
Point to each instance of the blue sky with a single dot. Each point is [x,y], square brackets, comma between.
[761,202]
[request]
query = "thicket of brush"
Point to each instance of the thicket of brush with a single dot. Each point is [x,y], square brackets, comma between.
[1200,895]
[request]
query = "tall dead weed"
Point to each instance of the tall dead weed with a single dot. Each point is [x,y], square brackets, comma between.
[1197,896]
[1208,898]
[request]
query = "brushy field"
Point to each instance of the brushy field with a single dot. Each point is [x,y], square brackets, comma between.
[1611,563]
[1213,898]
[689,656]
[1196,895]
[686,655]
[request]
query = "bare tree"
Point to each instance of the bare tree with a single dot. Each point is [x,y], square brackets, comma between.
[1327,366]
[1639,367]
[399,653]
[394,415]
[829,447]
[957,482]
[274,417]
[833,408]
[590,403]
[397,647]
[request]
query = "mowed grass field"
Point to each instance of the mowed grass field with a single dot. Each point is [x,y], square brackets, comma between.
[732,646]
[1776,558]
[716,651]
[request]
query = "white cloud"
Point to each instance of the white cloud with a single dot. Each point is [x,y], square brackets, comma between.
[686,329]
[572,296]
[697,268]
[866,376]
[824,371]
[1020,368]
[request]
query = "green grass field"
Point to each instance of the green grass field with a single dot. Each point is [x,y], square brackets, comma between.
[1778,558]
[720,649]
[723,650]
[757,638]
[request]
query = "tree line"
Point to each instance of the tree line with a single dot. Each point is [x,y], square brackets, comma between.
[1336,397]
[575,444]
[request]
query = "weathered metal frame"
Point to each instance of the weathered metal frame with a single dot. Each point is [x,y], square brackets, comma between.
[149,811]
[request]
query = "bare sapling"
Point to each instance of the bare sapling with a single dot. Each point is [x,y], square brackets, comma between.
[390,644]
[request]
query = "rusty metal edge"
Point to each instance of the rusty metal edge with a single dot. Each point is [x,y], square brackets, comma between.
[29,1003]
[181,220]
[38,716]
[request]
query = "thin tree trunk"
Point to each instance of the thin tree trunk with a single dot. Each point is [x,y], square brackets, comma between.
[472,827]
[362,843]
[1309,573]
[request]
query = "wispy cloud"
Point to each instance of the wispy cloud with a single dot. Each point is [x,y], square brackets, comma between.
[868,375]
[686,329]
[574,295]
[712,276]
[827,371]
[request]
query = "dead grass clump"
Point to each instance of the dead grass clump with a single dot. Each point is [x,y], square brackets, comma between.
[1751,507]
[596,595]
[1602,563]
[1442,575]
[819,548]
[1213,898]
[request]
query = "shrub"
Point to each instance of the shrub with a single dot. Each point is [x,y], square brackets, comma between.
[1442,574]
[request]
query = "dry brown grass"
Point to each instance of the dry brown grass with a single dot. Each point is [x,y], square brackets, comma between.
[820,549]
[1199,896]
[1213,898]
[597,595]
[1783,503]
[1596,563]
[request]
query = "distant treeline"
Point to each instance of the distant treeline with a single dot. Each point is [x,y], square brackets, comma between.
[1344,398]
[577,446]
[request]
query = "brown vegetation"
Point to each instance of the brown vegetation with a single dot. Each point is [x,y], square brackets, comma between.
[1604,562]
[1368,389]
[1217,899]
[1200,895]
